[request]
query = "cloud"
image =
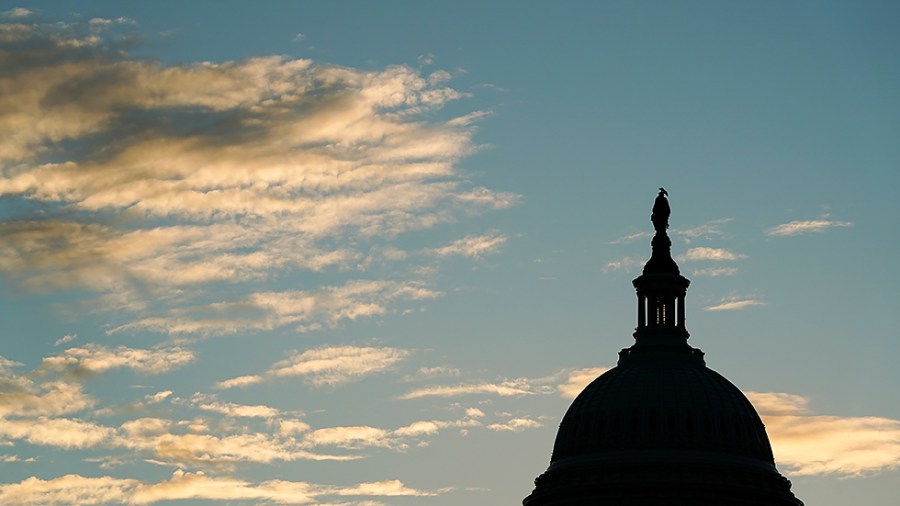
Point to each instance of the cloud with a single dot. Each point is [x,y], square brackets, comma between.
[623,263]
[58,432]
[715,271]
[433,372]
[505,388]
[711,228]
[76,489]
[778,403]
[327,365]
[734,304]
[230,409]
[798,227]
[95,359]
[20,396]
[632,238]
[515,425]
[352,438]
[472,246]
[147,182]
[577,379]
[17,12]
[240,382]
[714,254]
[68,489]
[359,437]
[305,310]
[168,443]
[811,444]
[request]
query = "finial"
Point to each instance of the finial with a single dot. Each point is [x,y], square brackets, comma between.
[661,212]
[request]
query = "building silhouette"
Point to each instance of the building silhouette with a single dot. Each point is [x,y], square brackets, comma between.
[661,428]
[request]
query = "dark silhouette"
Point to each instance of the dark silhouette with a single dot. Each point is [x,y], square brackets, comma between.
[661,212]
[661,428]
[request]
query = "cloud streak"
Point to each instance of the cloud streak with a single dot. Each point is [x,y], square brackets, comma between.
[734,304]
[76,489]
[799,227]
[327,366]
[147,183]
[811,444]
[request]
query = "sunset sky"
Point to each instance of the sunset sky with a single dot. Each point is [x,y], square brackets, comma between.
[366,253]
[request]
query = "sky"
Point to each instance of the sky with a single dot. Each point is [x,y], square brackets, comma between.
[367,253]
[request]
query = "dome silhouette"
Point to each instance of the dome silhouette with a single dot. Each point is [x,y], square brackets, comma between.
[661,428]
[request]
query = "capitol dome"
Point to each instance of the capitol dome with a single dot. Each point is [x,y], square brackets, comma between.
[661,428]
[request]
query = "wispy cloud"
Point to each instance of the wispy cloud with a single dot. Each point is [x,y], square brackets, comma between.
[505,388]
[76,489]
[95,359]
[623,263]
[305,310]
[798,227]
[327,365]
[577,379]
[234,410]
[360,437]
[715,271]
[811,444]
[713,228]
[714,254]
[181,176]
[632,237]
[58,432]
[734,304]
[472,246]
[16,12]
[21,396]
[515,425]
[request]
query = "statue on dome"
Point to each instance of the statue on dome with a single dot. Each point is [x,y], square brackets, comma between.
[661,212]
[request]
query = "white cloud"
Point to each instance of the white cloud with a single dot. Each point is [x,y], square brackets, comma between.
[95,359]
[811,444]
[230,409]
[506,388]
[433,372]
[332,365]
[17,12]
[158,396]
[227,172]
[715,271]
[577,379]
[65,339]
[623,263]
[711,228]
[359,437]
[733,304]
[353,438]
[66,490]
[327,365]
[515,425]
[472,246]
[290,427]
[798,227]
[474,413]
[714,254]
[22,397]
[58,432]
[632,237]
[240,382]
[76,489]
[307,311]
[161,439]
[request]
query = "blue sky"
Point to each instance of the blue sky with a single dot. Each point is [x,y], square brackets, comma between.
[366,253]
